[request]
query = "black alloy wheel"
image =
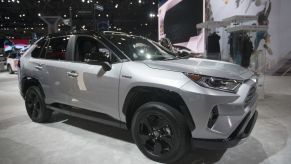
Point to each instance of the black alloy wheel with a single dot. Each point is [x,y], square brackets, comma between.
[35,106]
[160,132]
[156,134]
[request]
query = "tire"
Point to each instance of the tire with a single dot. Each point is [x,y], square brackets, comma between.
[160,132]
[10,69]
[35,105]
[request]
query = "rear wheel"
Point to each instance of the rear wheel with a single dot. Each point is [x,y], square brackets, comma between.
[10,69]
[160,132]
[35,105]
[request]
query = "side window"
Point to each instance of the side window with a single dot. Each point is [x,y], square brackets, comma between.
[57,48]
[89,49]
[36,53]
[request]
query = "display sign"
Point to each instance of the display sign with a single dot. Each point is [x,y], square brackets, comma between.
[15,43]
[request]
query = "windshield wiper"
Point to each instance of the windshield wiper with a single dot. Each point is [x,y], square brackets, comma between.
[175,58]
[185,57]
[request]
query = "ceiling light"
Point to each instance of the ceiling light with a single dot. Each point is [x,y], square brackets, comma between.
[39,14]
[116,6]
[139,1]
[151,15]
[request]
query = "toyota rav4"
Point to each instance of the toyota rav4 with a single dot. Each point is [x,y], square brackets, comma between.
[168,103]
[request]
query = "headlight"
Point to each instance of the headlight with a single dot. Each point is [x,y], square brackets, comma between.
[221,84]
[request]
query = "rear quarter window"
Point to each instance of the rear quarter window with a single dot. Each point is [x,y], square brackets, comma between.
[38,50]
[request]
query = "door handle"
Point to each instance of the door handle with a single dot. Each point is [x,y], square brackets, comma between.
[38,67]
[72,74]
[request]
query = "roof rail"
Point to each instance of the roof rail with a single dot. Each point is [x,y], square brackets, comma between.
[73,33]
[114,32]
[58,34]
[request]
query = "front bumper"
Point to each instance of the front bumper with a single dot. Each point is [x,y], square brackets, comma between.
[238,136]
[232,111]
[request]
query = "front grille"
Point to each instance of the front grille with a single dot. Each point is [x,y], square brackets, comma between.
[250,96]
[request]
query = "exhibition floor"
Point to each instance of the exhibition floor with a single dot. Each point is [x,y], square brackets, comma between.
[72,140]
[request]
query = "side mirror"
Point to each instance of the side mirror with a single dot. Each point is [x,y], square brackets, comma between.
[106,66]
[165,42]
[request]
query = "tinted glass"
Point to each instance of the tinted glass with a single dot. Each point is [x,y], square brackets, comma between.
[138,48]
[89,49]
[36,53]
[57,48]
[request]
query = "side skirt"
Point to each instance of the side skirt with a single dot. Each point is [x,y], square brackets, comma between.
[87,115]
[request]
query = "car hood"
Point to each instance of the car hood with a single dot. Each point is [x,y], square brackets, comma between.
[203,67]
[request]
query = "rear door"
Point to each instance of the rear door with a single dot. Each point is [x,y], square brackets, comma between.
[57,85]
[36,66]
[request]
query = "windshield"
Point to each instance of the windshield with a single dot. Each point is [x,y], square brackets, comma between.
[139,48]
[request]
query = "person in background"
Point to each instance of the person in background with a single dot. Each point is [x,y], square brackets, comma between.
[263,20]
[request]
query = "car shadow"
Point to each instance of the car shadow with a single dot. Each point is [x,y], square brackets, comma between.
[252,151]
[106,130]
[196,155]
[201,156]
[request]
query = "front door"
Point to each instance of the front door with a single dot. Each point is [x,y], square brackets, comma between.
[94,88]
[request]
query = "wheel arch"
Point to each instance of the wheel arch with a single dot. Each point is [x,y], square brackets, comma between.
[140,95]
[27,82]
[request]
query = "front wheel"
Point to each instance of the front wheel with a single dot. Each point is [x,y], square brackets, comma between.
[160,132]
[35,105]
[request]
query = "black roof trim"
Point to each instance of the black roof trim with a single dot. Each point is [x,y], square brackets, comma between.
[86,33]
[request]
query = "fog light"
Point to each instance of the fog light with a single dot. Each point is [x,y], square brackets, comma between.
[213,117]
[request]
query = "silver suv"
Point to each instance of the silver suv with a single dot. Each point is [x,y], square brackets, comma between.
[168,103]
